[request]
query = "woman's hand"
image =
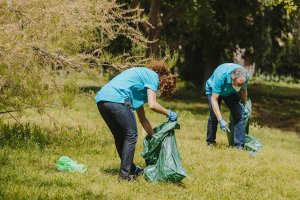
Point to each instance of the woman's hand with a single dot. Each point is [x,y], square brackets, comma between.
[172,116]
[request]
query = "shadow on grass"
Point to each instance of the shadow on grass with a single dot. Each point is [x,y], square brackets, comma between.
[115,172]
[276,106]
[111,171]
[178,184]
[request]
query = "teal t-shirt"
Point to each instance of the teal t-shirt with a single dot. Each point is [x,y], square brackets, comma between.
[220,81]
[131,84]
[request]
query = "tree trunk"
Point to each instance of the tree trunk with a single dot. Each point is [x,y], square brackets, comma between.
[135,3]
[155,20]
[298,24]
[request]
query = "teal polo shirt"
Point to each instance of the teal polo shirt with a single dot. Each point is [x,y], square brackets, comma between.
[220,81]
[131,84]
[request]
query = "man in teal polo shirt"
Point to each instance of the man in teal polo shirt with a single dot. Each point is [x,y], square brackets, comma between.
[229,83]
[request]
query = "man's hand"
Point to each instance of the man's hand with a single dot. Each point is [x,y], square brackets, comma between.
[224,126]
[172,116]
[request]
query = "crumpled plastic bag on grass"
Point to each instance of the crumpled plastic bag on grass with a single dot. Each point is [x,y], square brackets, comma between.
[65,163]
[251,143]
[161,155]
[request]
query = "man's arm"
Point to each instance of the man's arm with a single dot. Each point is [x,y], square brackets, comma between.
[244,95]
[215,106]
[144,121]
[216,109]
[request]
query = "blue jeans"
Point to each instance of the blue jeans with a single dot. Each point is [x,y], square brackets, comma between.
[120,119]
[232,102]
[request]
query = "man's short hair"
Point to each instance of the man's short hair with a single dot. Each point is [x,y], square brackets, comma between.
[238,72]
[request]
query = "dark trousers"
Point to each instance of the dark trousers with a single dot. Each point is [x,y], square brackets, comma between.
[121,121]
[232,102]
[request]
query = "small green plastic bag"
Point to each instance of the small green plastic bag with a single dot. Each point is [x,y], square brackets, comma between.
[252,143]
[65,163]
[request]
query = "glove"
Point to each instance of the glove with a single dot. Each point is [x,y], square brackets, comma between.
[172,116]
[224,126]
[243,105]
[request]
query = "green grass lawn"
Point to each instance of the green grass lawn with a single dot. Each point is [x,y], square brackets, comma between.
[27,162]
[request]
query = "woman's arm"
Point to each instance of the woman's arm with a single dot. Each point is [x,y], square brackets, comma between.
[154,105]
[144,121]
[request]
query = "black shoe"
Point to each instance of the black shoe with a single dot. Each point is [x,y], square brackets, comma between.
[127,178]
[211,144]
[138,171]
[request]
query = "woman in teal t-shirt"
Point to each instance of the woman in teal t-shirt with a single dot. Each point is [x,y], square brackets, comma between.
[127,92]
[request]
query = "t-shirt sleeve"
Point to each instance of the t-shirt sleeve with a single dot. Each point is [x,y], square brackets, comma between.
[217,85]
[151,82]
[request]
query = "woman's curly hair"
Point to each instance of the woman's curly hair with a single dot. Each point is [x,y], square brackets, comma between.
[167,81]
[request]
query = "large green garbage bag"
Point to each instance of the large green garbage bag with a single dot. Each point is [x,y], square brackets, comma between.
[161,155]
[251,143]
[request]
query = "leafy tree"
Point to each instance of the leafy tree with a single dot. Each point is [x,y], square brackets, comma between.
[211,31]
[41,40]
[207,33]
